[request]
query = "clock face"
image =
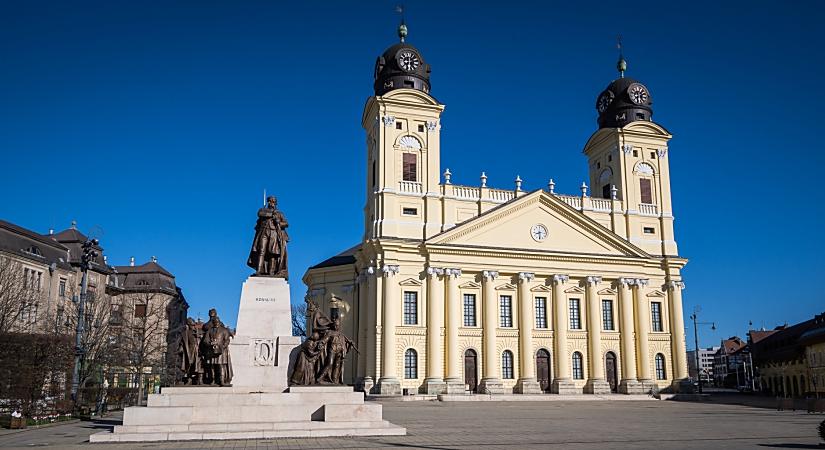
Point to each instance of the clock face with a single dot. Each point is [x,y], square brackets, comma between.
[408,60]
[638,94]
[538,232]
[604,101]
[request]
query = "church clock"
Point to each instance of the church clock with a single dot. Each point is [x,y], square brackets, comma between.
[408,60]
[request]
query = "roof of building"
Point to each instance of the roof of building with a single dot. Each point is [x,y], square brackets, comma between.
[343,258]
[758,335]
[73,239]
[33,246]
[147,277]
[401,66]
[786,343]
[731,345]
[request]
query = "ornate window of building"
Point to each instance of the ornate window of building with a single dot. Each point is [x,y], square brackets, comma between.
[656,316]
[469,310]
[410,308]
[410,169]
[607,315]
[541,312]
[507,365]
[578,366]
[661,374]
[575,314]
[410,364]
[505,311]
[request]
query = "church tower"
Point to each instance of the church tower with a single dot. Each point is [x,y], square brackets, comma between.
[628,162]
[403,151]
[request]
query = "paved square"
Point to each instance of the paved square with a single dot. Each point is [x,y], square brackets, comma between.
[522,425]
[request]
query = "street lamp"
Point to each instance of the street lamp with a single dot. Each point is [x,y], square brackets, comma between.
[89,253]
[696,323]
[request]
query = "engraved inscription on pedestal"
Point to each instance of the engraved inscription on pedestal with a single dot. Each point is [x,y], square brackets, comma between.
[265,352]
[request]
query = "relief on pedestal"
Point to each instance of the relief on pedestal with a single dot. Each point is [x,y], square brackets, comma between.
[265,352]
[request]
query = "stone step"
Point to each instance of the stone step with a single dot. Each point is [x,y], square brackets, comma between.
[302,429]
[251,426]
[213,398]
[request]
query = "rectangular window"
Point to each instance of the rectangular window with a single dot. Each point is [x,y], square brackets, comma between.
[469,310]
[606,191]
[398,125]
[409,211]
[541,312]
[140,310]
[575,315]
[505,311]
[645,190]
[652,155]
[656,316]
[421,128]
[635,153]
[609,158]
[649,230]
[410,167]
[410,308]
[607,314]
[62,288]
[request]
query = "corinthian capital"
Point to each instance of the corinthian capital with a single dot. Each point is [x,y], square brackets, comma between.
[526,276]
[560,279]
[624,282]
[489,275]
[390,269]
[452,272]
[640,282]
[673,285]
[434,271]
[593,280]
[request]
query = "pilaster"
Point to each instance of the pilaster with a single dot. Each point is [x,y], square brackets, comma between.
[389,383]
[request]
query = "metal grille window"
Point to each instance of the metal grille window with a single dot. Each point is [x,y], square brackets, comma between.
[541,312]
[661,374]
[578,366]
[410,364]
[469,310]
[505,311]
[507,365]
[607,314]
[575,315]
[656,316]
[410,308]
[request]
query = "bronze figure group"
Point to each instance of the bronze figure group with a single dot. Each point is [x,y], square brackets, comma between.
[203,351]
[268,254]
[321,356]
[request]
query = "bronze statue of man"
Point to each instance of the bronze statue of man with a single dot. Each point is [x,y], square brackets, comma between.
[338,345]
[215,349]
[190,359]
[268,255]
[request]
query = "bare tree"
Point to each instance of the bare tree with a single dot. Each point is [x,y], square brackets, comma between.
[299,319]
[142,337]
[21,291]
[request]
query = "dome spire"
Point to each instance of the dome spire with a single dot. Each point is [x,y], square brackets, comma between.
[621,64]
[402,28]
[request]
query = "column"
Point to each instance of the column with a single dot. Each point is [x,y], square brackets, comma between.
[596,383]
[363,329]
[629,384]
[389,384]
[434,382]
[490,381]
[372,329]
[678,352]
[642,330]
[454,380]
[527,383]
[562,379]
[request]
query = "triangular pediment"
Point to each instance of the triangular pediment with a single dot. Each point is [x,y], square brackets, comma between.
[410,282]
[541,288]
[656,293]
[470,285]
[538,222]
[506,287]
[607,291]
[574,290]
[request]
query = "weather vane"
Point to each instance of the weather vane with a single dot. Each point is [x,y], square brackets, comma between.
[621,65]
[402,29]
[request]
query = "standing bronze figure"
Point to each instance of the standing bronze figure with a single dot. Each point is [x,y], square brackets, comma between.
[321,359]
[215,349]
[189,357]
[268,255]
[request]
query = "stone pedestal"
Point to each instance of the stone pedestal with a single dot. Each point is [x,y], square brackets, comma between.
[433,386]
[388,386]
[491,386]
[648,385]
[528,386]
[631,387]
[455,386]
[597,386]
[564,386]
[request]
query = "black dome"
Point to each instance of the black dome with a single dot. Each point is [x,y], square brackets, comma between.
[624,100]
[401,66]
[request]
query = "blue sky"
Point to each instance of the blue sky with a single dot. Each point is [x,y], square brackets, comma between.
[159,124]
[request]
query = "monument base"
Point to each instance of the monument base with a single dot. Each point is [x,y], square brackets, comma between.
[221,413]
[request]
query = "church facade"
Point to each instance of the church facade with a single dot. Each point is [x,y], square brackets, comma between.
[457,288]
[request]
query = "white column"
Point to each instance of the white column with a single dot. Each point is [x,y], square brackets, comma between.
[627,331]
[434,383]
[527,383]
[389,383]
[363,328]
[455,382]
[642,331]
[562,377]
[677,334]
[490,381]
[596,383]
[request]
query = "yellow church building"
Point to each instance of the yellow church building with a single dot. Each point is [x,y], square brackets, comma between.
[456,288]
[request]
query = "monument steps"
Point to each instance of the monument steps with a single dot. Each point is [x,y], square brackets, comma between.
[252,426]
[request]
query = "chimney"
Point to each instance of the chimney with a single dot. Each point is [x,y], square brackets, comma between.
[51,231]
[74,224]
[105,260]
[132,261]
[154,259]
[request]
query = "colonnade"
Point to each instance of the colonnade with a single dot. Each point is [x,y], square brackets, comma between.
[445,315]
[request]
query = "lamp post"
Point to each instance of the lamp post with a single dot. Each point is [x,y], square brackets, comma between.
[89,253]
[696,324]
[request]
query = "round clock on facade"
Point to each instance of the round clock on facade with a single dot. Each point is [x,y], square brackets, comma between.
[538,232]
[408,60]
[638,94]
[604,101]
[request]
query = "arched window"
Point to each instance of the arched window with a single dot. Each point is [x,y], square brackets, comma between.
[507,364]
[410,364]
[661,374]
[578,366]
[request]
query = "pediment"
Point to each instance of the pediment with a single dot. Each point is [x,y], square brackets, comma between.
[574,290]
[656,293]
[470,285]
[541,288]
[607,291]
[410,282]
[511,226]
[506,287]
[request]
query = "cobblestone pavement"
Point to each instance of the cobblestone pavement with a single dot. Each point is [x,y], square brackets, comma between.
[519,425]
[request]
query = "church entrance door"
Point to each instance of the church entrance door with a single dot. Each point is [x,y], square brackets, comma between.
[471,369]
[543,369]
[610,370]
